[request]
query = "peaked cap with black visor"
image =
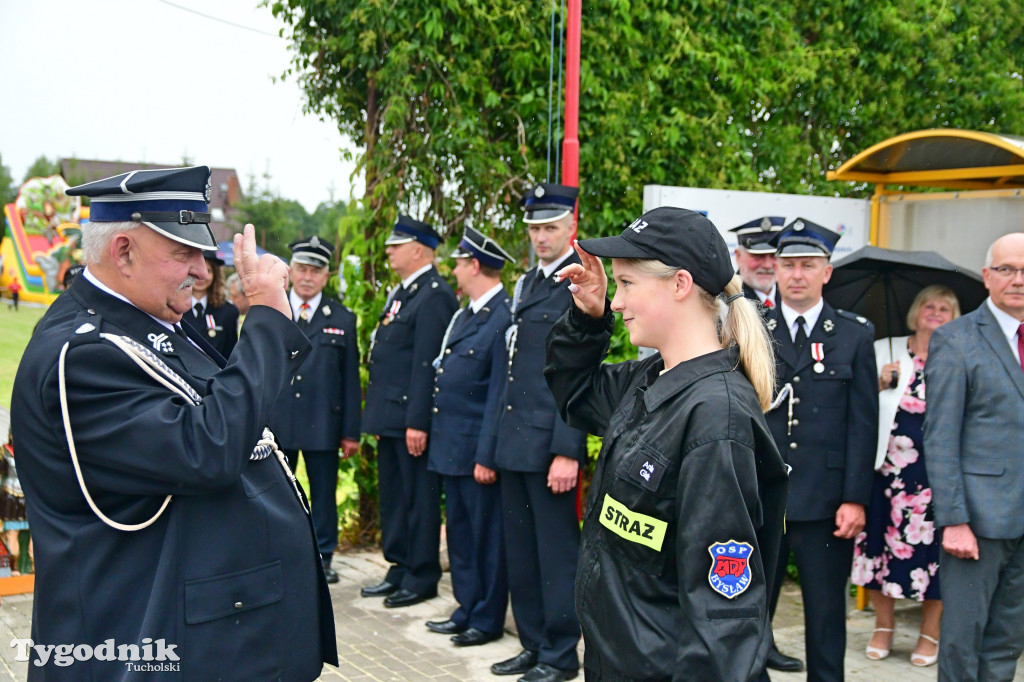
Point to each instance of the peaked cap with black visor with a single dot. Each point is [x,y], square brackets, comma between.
[802,239]
[408,230]
[548,202]
[477,245]
[757,236]
[171,201]
[677,237]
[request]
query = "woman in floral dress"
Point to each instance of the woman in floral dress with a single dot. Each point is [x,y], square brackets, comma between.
[897,555]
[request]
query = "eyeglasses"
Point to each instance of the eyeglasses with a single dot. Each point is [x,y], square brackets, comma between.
[1006,272]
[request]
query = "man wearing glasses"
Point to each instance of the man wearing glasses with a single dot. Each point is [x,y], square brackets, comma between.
[972,434]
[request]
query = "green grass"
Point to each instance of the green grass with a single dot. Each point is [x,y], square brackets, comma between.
[15,330]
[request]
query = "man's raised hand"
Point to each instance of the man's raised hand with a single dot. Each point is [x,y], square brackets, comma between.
[264,278]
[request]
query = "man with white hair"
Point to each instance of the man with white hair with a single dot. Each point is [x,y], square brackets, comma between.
[975,462]
[146,465]
[237,294]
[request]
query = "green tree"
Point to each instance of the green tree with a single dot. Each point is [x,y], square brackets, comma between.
[8,190]
[42,167]
[278,221]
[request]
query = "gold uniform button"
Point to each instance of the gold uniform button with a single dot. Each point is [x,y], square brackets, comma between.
[796,422]
[447,351]
[238,604]
[509,408]
[435,410]
[796,380]
[792,446]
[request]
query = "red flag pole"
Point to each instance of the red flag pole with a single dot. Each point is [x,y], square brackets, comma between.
[571,142]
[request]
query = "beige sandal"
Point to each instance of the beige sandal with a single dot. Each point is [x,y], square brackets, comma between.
[922,661]
[876,654]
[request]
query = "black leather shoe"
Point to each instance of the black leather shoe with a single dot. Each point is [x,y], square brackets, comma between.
[783,663]
[404,597]
[331,576]
[474,637]
[445,627]
[542,672]
[517,665]
[381,589]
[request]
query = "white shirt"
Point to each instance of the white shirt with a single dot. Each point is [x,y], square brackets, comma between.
[297,302]
[810,317]
[412,278]
[764,297]
[200,301]
[479,303]
[550,269]
[1009,325]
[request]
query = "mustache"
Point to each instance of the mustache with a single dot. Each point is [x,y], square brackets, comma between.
[189,281]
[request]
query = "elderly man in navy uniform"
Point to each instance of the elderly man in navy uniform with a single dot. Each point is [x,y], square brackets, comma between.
[318,413]
[399,405]
[163,517]
[212,314]
[755,258]
[470,373]
[539,457]
[825,428]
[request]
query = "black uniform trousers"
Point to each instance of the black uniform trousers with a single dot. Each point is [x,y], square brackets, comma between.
[542,541]
[322,474]
[410,516]
[823,562]
[476,551]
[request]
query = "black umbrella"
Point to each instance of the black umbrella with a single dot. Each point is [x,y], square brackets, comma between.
[881,284]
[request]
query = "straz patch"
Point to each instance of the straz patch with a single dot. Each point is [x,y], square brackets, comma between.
[633,526]
[730,568]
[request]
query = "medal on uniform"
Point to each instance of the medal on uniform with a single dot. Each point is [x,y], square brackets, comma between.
[212,326]
[818,353]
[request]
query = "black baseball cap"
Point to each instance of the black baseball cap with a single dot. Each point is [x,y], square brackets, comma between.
[677,237]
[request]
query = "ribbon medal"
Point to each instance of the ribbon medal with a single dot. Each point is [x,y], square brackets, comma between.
[392,311]
[818,353]
[211,326]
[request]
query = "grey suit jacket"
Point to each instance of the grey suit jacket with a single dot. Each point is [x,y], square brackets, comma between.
[974,427]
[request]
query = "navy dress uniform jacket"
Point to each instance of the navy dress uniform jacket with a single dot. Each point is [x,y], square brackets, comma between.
[401,386]
[530,431]
[229,574]
[321,404]
[225,327]
[831,445]
[469,378]
[687,465]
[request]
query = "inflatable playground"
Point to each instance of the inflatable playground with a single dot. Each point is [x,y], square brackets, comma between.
[41,239]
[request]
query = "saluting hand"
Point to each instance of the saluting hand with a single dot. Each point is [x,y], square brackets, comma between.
[264,278]
[587,282]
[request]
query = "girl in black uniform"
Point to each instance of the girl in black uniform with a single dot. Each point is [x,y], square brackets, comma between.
[686,507]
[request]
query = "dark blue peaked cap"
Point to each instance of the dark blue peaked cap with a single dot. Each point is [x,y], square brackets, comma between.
[171,201]
[312,251]
[757,235]
[547,202]
[477,245]
[408,230]
[804,238]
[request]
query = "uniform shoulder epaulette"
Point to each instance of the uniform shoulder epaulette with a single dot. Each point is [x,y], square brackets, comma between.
[85,328]
[859,319]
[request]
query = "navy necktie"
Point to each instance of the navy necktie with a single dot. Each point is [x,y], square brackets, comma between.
[801,336]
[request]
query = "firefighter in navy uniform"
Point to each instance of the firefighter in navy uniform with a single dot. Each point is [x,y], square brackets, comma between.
[213,315]
[156,511]
[825,428]
[755,259]
[318,412]
[539,457]
[470,372]
[399,405]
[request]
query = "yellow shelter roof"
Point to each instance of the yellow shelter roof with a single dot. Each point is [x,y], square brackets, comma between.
[943,157]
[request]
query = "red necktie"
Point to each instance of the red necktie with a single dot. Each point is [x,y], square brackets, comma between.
[1020,344]
[768,303]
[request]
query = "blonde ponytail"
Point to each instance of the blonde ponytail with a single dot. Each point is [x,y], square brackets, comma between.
[742,325]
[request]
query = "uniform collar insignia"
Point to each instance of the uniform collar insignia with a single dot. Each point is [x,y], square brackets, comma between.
[326,310]
[772,324]
[829,326]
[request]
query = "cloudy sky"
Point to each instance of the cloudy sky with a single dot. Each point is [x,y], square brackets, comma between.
[153,81]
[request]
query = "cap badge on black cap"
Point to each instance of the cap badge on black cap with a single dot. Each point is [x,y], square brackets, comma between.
[798,225]
[638,225]
[539,192]
[206,192]
[314,242]
[766,223]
